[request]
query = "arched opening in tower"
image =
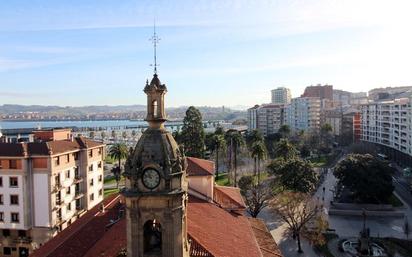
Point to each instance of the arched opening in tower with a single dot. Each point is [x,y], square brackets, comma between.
[154,105]
[152,234]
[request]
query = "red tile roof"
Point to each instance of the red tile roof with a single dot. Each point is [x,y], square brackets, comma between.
[228,197]
[213,230]
[12,150]
[200,167]
[86,232]
[221,232]
[46,148]
[265,240]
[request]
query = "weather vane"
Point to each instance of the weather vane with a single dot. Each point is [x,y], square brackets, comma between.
[155,40]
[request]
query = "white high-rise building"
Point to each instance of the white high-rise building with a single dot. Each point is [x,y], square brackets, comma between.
[388,123]
[303,113]
[281,95]
[267,118]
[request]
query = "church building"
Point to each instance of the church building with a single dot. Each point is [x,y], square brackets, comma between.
[170,207]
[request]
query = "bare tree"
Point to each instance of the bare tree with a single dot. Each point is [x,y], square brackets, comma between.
[297,210]
[256,195]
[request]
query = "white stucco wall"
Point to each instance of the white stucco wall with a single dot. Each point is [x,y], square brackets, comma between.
[41,200]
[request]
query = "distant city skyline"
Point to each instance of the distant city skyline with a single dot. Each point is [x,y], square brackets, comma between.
[211,53]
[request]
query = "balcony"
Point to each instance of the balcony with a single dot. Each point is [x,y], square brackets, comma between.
[77,179]
[57,188]
[22,240]
[78,195]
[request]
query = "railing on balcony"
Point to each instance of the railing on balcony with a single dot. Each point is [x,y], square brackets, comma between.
[22,240]
[57,187]
[78,194]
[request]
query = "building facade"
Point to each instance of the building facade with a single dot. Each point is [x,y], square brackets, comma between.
[45,186]
[267,118]
[281,95]
[388,124]
[303,113]
[323,92]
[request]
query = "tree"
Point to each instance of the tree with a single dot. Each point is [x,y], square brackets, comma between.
[294,174]
[253,137]
[258,153]
[368,178]
[134,133]
[296,209]
[270,142]
[326,137]
[193,135]
[114,134]
[124,134]
[234,141]
[284,131]
[103,135]
[284,149]
[118,152]
[304,151]
[217,144]
[256,195]
[92,134]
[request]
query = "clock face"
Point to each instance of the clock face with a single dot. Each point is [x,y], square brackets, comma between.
[151,178]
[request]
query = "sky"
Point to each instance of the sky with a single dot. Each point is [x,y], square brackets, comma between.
[211,52]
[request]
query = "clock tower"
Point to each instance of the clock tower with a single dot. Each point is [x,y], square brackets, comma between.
[156,186]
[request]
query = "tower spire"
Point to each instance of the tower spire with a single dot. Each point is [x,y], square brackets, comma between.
[155,40]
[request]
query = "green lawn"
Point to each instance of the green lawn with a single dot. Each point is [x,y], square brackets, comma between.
[110,191]
[223,179]
[319,161]
[109,160]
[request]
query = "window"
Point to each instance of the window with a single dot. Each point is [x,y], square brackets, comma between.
[69,207]
[68,158]
[7,250]
[1,199]
[76,172]
[68,174]
[91,182]
[57,161]
[6,232]
[13,181]
[91,153]
[100,151]
[14,199]
[1,165]
[13,164]
[15,217]
[100,192]
[92,197]
[1,216]
[22,233]
[1,180]
[68,190]
[100,178]
[76,156]
[99,165]
[91,167]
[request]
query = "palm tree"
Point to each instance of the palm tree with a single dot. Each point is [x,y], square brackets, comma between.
[218,143]
[284,130]
[258,152]
[234,140]
[253,137]
[285,149]
[118,152]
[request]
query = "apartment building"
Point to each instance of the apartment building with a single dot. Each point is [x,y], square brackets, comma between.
[46,185]
[281,95]
[388,124]
[303,113]
[267,118]
[323,92]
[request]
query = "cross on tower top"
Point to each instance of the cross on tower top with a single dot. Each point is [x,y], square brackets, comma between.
[155,40]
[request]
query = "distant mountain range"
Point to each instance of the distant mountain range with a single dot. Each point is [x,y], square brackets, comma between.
[24,112]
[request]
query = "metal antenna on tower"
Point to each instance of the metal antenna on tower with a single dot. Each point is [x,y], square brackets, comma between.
[155,40]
